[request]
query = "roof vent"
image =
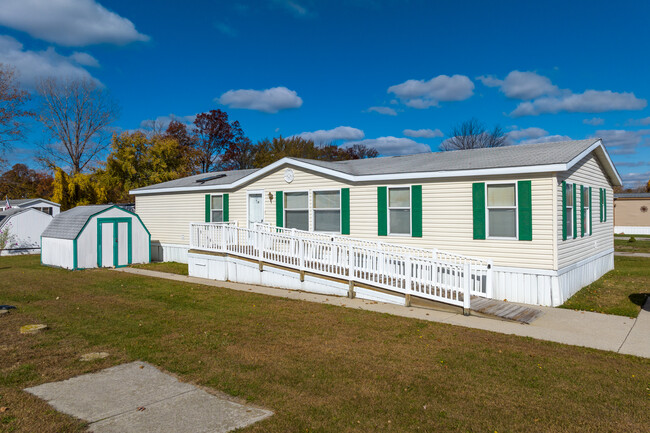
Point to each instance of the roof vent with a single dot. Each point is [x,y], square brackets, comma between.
[205,179]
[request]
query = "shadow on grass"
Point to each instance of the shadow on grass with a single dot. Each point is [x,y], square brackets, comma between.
[638,298]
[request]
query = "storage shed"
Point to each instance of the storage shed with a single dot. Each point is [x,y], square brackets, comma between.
[24,227]
[95,236]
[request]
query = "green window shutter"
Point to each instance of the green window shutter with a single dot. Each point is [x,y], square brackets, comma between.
[226,208]
[564,220]
[600,203]
[382,211]
[478,205]
[345,211]
[575,211]
[591,213]
[604,204]
[525,210]
[207,208]
[416,211]
[279,209]
[582,211]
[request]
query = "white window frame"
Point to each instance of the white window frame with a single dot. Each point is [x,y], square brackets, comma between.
[211,218]
[586,209]
[569,210]
[516,208]
[313,209]
[410,208]
[308,208]
[251,192]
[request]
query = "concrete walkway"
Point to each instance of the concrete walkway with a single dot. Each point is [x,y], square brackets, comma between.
[579,328]
[137,397]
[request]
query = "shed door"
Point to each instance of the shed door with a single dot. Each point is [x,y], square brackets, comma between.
[108,239]
[122,243]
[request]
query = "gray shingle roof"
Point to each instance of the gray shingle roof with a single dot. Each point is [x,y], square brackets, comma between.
[560,152]
[23,201]
[523,155]
[632,195]
[225,178]
[5,214]
[68,224]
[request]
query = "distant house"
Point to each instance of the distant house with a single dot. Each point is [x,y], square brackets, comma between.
[46,206]
[542,213]
[24,226]
[632,213]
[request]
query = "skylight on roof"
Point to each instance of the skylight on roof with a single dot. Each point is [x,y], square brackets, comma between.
[206,179]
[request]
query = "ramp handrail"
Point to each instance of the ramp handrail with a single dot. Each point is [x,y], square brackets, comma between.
[430,274]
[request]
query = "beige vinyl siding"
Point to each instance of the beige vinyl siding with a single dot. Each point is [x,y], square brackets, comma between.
[168,216]
[628,212]
[446,215]
[587,172]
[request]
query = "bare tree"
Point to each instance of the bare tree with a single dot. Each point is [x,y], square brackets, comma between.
[473,134]
[12,113]
[77,113]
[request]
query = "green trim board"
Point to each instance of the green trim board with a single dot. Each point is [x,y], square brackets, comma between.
[382,211]
[575,211]
[115,222]
[345,211]
[478,210]
[279,209]
[416,211]
[525,210]
[74,254]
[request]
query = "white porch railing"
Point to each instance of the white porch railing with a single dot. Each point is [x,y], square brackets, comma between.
[429,274]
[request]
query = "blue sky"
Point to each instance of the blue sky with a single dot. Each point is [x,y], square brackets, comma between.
[396,75]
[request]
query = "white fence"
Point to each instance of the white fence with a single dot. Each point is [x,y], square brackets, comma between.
[429,274]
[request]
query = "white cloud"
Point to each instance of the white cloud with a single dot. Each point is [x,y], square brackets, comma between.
[225,29]
[424,94]
[85,59]
[34,65]
[393,145]
[521,85]
[269,100]
[164,121]
[533,133]
[423,133]
[69,22]
[594,121]
[383,110]
[330,135]
[590,101]
[645,121]
[635,179]
[546,139]
[623,142]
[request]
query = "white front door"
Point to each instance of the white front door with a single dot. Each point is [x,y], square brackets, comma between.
[122,244]
[108,241]
[255,209]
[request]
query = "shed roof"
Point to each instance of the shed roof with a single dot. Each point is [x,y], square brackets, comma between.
[68,224]
[6,214]
[23,201]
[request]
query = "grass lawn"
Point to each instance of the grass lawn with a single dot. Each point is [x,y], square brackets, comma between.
[320,368]
[621,291]
[170,267]
[633,247]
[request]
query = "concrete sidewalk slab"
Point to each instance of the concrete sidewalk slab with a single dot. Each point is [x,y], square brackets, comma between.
[638,341]
[578,328]
[110,399]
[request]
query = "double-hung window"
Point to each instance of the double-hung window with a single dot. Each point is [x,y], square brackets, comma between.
[569,210]
[327,211]
[502,210]
[217,208]
[296,210]
[399,211]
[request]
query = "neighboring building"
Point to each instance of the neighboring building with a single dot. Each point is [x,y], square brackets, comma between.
[24,226]
[95,236]
[46,206]
[541,212]
[631,213]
